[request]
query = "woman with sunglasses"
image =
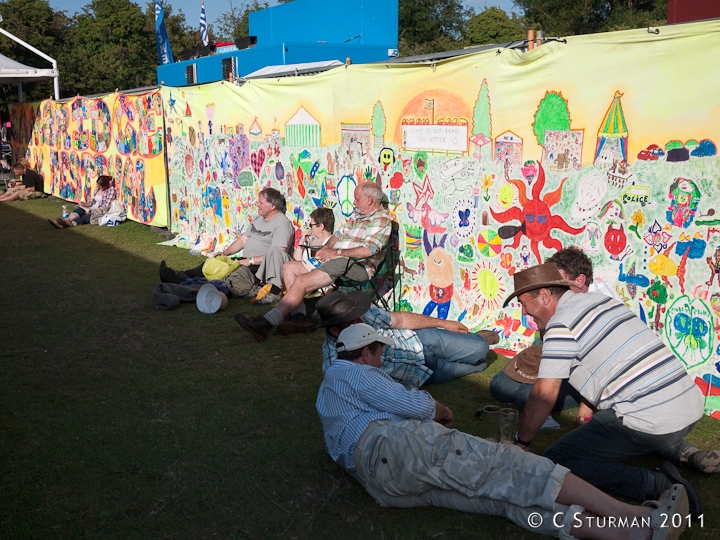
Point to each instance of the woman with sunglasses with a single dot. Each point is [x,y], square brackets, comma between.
[320,228]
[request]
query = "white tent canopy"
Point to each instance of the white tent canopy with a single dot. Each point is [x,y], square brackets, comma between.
[12,72]
[306,68]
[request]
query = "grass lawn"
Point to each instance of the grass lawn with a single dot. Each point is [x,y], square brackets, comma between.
[121,421]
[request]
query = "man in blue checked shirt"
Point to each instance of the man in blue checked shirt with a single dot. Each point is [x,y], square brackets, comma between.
[424,349]
[397,444]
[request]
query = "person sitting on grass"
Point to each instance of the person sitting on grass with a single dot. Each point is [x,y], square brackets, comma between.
[32,185]
[515,381]
[266,247]
[365,235]
[397,443]
[645,400]
[105,193]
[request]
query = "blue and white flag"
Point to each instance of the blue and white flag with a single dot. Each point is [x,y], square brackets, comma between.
[161,37]
[203,25]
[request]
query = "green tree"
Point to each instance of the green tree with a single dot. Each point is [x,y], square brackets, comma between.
[378,125]
[552,113]
[493,25]
[481,113]
[112,48]
[570,17]
[35,22]
[427,26]
[236,23]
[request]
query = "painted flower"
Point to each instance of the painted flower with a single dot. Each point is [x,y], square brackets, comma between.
[487,181]
[657,237]
[638,218]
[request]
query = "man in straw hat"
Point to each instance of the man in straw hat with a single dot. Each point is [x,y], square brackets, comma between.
[397,444]
[646,401]
[424,349]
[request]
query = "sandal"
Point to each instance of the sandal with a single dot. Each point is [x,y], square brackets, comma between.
[672,502]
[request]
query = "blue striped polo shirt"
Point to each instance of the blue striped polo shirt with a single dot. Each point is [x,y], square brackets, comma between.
[616,362]
[352,396]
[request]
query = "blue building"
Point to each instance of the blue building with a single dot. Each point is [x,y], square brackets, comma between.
[299,32]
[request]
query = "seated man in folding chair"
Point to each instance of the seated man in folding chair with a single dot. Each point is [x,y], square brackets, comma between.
[365,235]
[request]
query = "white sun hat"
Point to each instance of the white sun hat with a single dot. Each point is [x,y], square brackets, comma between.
[210,300]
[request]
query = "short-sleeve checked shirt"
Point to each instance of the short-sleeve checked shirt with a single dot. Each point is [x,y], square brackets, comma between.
[372,231]
[404,361]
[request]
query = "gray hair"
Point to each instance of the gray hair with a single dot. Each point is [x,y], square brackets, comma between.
[371,189]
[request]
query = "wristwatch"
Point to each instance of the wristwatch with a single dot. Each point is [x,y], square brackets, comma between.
[339,252]
[519,441]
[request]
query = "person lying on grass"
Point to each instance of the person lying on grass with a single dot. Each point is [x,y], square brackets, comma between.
[398,445]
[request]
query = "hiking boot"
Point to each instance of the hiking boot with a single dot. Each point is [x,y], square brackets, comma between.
[299,324]
[707,461]
[670,472]
[268,299]
[491,337]
[259,327]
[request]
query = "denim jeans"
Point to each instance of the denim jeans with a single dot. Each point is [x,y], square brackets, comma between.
[503,388]
[596,452]
[451,355]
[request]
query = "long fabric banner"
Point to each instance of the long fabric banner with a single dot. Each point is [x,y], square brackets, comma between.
[491,162]
[71,143]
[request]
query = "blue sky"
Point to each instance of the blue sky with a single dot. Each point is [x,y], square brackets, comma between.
[215,8]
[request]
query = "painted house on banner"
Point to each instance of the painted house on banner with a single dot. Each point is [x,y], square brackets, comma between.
[508,148]
[302,130]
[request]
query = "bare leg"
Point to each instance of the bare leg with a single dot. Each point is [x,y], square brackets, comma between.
[304,284]
[599,504]
[72,217]
[9,197]
[291,270]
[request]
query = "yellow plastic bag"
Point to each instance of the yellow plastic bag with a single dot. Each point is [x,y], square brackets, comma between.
[219,267]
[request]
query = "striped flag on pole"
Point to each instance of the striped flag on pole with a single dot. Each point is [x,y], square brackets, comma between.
[161,37]
[203,25]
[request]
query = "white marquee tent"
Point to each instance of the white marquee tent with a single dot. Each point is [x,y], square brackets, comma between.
[12,72]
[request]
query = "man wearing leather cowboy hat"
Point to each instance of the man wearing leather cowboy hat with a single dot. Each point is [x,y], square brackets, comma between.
[425,349]
[646,401]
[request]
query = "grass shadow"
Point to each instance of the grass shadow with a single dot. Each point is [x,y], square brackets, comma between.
[122,421]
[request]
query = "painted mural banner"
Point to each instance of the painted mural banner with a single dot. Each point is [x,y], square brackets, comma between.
[73,142]
[491,162]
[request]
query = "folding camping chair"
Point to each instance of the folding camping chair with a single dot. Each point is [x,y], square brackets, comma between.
[381,287]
